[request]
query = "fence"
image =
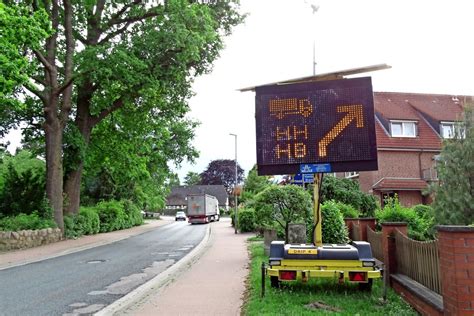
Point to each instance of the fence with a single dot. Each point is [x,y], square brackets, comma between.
[355,233]
[418,260]
[375,240]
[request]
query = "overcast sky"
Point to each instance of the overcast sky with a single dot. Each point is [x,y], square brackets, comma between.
[427,43]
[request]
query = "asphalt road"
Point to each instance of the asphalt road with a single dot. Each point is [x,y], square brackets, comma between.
[84,282]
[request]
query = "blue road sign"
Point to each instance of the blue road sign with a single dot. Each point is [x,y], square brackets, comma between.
[308,178]
[315,168]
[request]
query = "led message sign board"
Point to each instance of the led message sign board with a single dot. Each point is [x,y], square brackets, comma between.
[326,126]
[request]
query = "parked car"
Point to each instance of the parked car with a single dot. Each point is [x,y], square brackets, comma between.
[180,216]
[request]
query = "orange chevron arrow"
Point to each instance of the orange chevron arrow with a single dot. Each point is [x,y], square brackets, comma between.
[354,112]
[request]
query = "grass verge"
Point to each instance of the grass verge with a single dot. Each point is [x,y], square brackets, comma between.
[320,297]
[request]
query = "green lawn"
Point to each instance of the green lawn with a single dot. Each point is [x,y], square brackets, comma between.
[292,299]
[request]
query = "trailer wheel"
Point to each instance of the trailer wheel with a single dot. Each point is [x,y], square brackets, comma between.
[366,287]
[274,282]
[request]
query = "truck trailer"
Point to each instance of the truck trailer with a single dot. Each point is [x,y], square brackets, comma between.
[202,208]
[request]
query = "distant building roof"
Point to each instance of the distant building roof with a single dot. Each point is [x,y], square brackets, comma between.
[178,194]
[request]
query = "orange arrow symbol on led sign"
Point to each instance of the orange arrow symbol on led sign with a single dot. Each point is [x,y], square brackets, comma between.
[354,112]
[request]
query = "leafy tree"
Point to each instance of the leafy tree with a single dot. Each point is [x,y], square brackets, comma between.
[20,27]
[454,194]
[253,184]
[347,191]
[283,205]
[222,171]
[192,178]
[121,164]
[106,57]
[173,180]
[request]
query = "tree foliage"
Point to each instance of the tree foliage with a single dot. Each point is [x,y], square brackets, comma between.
[20,28]
[347,191]
[108,65]
[192,178]
[253,184]
[454,194]
[222,171]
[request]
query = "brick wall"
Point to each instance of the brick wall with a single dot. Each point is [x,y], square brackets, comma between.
[398,164]
[415,298]
[456,251]
[410,198]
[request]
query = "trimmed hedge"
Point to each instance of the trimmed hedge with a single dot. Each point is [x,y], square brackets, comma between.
[105,217]
[334,229]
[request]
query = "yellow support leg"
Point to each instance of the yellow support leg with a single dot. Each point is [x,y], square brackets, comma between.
[317,238]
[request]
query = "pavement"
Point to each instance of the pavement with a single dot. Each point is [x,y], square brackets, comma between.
[208,281]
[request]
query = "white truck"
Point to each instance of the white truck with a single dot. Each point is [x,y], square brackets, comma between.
[202,208]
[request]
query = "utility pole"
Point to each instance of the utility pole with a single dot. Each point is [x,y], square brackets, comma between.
[235,185]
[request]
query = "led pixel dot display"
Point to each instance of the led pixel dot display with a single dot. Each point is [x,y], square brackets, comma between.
[317,122]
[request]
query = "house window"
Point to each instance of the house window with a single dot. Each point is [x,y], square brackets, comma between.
[351,174]
[386,196]
[403,128]
[451,129]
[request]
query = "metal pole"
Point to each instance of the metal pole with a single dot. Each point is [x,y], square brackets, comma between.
[263,279]
[236,220]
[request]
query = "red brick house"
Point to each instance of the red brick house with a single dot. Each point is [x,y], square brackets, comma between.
[409,128]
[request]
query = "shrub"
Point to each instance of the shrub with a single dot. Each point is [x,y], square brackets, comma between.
[70,229]
[134,216]
[86,222]
[112,215]
[419,228]
[334,229]
[91,221]
[23,191]
[25,222]
[347,211]
[247,220]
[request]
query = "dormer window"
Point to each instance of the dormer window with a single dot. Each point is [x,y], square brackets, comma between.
[449,130]
[403,128]
[351,174]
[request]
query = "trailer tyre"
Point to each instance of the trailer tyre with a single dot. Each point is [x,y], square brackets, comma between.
[366,287]
[274,282]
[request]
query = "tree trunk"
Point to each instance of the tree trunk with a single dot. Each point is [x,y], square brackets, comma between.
[72,184]
[72,190]
[54,169]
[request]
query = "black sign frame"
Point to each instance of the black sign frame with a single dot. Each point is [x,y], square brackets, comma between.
[323,122]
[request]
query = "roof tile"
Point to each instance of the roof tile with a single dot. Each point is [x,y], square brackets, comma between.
[400,184]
